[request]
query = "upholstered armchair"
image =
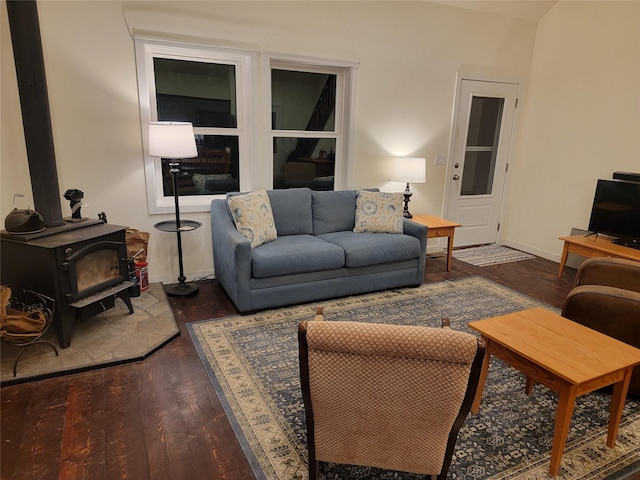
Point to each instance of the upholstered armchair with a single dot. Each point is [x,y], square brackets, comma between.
[606,298]
[386,396]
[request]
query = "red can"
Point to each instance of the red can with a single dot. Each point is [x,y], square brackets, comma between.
[143,275]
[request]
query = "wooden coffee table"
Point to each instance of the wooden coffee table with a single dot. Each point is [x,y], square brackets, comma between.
[564,356]
[439,227]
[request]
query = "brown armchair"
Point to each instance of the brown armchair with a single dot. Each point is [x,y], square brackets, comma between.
[606,298]
[386,396]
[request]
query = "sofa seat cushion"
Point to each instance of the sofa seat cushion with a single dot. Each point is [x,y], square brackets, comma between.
[295,254]
[362,249]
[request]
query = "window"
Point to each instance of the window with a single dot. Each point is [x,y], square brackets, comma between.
[307,126]
[311,120]
[211,89]
[204,94]
[303,128]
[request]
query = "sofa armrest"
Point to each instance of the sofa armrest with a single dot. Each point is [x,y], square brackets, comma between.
[419,231]
[606,309]
[612,272]
[231,256]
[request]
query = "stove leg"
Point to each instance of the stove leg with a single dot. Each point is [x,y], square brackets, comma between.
[124,296]
[63,323]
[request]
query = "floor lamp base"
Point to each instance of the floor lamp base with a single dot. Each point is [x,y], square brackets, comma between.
[181,289]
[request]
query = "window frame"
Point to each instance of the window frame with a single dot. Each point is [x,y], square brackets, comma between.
[346,75]
[244,61]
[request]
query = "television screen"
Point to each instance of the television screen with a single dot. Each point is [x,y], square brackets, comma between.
[616,210]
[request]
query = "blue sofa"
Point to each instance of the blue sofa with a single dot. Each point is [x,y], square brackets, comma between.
[316,255]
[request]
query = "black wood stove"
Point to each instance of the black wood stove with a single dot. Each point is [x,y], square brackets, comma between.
[82,266]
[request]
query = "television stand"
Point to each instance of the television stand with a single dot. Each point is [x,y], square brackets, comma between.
[599,246]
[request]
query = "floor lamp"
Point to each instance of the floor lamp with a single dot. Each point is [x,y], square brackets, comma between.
[409,170]
[174,140]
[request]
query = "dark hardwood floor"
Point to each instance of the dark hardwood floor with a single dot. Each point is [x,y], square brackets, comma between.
[160,418]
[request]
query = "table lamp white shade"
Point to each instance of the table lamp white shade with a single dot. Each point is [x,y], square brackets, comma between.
[409,170]
[172,140]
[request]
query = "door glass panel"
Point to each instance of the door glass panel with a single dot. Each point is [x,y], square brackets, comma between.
[304,162]
[306,100]
[485,119]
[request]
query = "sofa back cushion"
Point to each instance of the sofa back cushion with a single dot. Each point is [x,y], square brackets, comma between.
[333,211]
[291,209]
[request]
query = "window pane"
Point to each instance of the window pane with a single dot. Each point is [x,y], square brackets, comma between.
[477,178]
[214,171]
[484,121]
[304,162]
[198,92]
[306,100]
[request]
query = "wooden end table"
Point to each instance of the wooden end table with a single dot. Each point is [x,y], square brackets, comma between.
[564,356]
[594,246]
[439,227]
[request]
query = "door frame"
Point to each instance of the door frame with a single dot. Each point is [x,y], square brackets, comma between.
[477,77]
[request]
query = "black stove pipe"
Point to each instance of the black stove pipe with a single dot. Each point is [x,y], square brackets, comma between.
[34,101]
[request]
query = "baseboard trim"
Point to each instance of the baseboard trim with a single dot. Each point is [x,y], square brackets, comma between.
[523,247]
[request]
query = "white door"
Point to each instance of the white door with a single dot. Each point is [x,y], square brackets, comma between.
[479,161]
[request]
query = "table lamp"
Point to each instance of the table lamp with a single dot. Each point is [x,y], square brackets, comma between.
[408,170]
[174,140]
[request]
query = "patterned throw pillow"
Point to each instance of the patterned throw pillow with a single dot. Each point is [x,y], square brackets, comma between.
[253,217]
[378,212]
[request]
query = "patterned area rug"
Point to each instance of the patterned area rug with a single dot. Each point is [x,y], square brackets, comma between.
[252,361]
[489,255]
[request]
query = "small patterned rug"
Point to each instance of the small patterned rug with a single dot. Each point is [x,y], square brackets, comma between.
[252,361]
[489,255]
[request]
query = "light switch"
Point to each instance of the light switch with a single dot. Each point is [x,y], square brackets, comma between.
[440,160]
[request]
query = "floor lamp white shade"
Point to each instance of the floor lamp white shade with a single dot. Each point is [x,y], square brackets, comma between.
[172,140]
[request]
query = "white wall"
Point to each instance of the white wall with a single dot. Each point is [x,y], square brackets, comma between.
[409,54]
[580,120]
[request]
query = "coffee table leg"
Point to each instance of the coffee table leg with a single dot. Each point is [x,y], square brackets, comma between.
[528,389]
[475,406]
[566,402]
[617,405]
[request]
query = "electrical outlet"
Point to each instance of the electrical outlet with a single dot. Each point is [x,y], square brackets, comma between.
[440,160]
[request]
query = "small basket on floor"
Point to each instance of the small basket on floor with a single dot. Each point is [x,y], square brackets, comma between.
[25,316]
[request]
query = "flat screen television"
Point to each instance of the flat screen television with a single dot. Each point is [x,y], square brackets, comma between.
[616,211]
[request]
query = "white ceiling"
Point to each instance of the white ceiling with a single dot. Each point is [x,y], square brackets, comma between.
[532,10]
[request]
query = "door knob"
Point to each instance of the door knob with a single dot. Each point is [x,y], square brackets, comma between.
[456,177]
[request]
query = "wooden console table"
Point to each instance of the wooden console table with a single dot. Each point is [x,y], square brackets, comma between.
[439,227]
[564,356]
[594,246]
